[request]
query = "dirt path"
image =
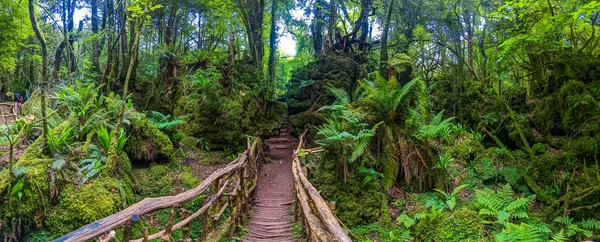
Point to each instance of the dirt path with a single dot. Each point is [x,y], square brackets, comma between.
[271,219]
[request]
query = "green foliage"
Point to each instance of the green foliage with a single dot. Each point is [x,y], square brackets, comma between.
[437,128]
[502,205]
[15,26]
[383,99]
[450,198]
[165,122]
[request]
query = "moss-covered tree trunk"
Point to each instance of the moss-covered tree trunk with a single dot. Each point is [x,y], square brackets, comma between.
[384,41]
[44,83]
[113,155]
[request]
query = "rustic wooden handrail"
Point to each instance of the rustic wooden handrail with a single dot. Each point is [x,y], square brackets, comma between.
[220,179]
[307,196]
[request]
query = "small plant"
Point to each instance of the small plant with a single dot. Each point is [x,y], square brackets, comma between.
[458,129]
[104,136]
[371,176]
[228,153]
[444,161]
[450,198]
[93,164]
[203,144]
[477,136]
[57,142]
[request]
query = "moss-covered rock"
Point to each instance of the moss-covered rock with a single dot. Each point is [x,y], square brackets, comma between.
[308,86]
[147,143]
[83,204]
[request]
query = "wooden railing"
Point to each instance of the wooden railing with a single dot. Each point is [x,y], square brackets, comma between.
[7,111]
[238,178]
[317,218]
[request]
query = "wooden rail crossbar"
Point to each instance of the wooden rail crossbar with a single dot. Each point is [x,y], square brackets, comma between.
[7,111]
[242,168]
[317,217]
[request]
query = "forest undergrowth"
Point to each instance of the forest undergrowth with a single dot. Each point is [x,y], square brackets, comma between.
[438,120]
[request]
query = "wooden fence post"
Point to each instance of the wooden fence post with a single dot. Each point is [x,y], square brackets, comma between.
[186,230]
[167,235]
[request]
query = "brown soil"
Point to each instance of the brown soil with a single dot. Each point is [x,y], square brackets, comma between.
[271,219]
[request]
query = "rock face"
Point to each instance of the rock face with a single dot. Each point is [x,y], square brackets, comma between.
[271,218]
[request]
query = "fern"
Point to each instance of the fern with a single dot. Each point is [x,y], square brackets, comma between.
[521,232]
[164,122]
[450,198]
[502,205]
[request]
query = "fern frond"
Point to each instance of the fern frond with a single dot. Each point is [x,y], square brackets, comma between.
[590,224]
[559,237]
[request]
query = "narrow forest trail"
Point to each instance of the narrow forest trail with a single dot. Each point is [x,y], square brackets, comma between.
[271,219]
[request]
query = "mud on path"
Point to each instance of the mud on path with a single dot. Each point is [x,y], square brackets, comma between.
[271,219]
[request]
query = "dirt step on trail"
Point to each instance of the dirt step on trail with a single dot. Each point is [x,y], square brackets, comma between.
[271,219]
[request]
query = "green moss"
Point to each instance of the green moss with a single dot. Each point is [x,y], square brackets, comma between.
[546,114]
[188,179]
[189,143]
[461,225]
[35,189]
[146,143]
[155,181]
[355,202]
[5,180]
[80,205]
[511,175]
[584,147]
[308,86]
[464,150]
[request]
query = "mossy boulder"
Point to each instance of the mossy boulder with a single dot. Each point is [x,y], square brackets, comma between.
[83,204]
[308,86]
[147,143]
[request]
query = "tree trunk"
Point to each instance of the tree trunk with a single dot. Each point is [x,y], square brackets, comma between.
[318,28]
[332,24]
[44,83]
[95,43]
[111,161]
[252,12]
[273,42]
[122,17]
[384,41]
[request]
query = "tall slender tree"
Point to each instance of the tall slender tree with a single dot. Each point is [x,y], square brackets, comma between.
[383,62]
[44,83]
[273,42]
